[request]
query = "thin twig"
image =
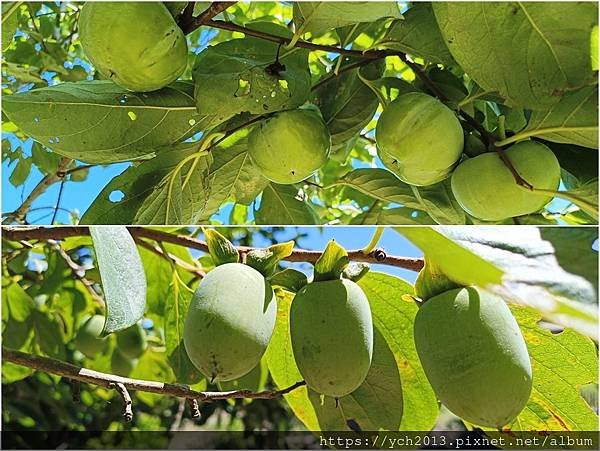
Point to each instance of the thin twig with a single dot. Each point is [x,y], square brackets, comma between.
[78,272]
[188,23]
[53,366]
[194,408]
[60,193]
[197,272]
[20,213]
[333,75]
[122,390]
[298,255]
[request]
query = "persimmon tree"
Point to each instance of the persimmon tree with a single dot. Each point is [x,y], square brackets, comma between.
[215,145]
[533,291]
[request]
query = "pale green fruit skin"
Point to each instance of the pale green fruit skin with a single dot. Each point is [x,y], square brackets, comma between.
[474,356]
[229,322]
[290,146]
[332,336]
[132,341]
[137,45]
[419,139]
[88,339]
[121,365]
[486,189]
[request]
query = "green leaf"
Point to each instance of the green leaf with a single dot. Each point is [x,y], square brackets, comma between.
[418,35]
[10,21]
[331,263]
[232,77]
[20,172]
[573,120]
[318,17]
[232,176]
[280,204]
[573,250]
[394,316]
[531,53]
[380,184]
[439,203]
[19,303]
[220,248]
[346,103]
[181,196]
[46,161]
[562,363]
[123,278]
[99,122]
[48,335]
[176,307]
[392,216]
[265,261]
[255,380]
[584,196]
[135,184]
[289,279]
[519,267]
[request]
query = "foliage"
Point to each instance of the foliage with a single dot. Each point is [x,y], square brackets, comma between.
[519,71]
[50,288]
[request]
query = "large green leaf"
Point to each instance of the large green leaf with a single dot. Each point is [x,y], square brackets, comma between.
[439,203]
[232,176]
[520,267]
[380,184]
[347,104]
[573,120]
[180,197]
[394,316]
[122,274]
[135,184]
[281,204]
[418,35]
[99,122]
[176,307]
[234,77]
[562,363]
[10,21]
[531,53]
[317,17]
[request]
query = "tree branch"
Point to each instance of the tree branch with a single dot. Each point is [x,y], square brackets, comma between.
[20,213]
[188,23]
[298,255]
[111,381]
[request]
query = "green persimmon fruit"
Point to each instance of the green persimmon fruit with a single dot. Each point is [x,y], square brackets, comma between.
[229,322]
[138,45]
[332,336]
[132,341]
[120,364]
[290,146]
[474,356]
[419,139]
[486,189]
[88,340]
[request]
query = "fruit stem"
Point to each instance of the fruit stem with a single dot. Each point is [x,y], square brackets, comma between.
[374,240]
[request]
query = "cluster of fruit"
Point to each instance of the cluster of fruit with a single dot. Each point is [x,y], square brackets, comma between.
[418,137]
[469,343]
